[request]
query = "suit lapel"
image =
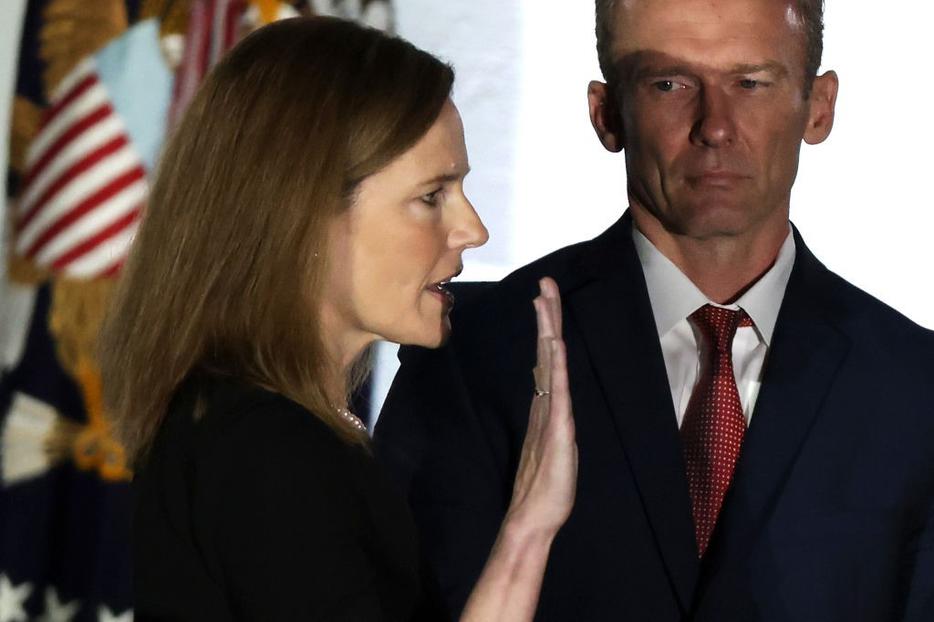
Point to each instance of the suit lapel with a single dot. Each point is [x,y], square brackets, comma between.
[806,352]
[610,308]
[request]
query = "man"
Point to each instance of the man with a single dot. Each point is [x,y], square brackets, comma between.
[756,435]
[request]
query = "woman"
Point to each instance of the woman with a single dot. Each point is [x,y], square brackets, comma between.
[310,202]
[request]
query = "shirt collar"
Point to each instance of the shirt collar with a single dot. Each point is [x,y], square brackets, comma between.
[674,296]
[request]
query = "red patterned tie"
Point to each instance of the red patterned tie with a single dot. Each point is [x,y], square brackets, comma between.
[713,427]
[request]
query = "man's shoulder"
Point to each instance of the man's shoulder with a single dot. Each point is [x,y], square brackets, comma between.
[519,287]
[868,320]
[504,304]
[493,322]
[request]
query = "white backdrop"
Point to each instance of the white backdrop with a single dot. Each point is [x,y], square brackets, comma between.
[11,16]
[541,179]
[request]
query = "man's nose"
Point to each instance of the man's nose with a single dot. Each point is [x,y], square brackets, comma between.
[714,126]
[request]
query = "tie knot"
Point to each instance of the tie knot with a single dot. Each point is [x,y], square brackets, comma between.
[719,325]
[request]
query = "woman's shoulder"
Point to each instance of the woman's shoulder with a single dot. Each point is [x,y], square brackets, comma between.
[255,423]
[272,503]
[230,433]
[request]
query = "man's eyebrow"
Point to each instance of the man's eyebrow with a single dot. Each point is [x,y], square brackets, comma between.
[653,70]
[776,68]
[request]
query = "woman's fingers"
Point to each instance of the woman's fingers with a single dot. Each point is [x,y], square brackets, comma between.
[550,293]
[560,431]
[546,480]
[542,371]
[560,389]
[546,317]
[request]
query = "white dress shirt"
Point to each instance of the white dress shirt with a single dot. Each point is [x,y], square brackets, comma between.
[674,297]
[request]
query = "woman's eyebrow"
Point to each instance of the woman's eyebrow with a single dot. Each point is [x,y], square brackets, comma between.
[447,177]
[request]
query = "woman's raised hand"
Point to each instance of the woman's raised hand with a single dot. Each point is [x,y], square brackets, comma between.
[546,481]
[545,485]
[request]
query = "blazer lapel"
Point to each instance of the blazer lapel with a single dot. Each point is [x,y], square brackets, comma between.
[611,310]
[806,351]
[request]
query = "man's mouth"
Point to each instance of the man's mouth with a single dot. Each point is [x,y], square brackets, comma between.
[715,178]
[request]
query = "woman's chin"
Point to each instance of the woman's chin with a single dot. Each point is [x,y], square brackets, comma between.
[429,336]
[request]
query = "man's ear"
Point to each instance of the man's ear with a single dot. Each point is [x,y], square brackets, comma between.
[822,104]
[605,115]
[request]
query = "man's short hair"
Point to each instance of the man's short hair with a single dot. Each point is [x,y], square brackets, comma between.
[811,13]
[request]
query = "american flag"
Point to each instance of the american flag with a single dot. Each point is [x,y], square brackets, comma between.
[64,527]
[212,30]
[214,26]
[85,183]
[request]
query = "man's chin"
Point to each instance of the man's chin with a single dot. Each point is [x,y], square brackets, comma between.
[712,217]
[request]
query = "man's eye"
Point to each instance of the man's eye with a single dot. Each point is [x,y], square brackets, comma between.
[748,83]
[665,85]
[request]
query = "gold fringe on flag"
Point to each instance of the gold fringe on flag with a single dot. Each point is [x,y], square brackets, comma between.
[23,271]
[26,118]
[74,29]
[268,9]
[173,13]
[75,318]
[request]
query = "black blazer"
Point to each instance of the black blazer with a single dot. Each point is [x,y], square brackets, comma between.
[258,511]
[831,514]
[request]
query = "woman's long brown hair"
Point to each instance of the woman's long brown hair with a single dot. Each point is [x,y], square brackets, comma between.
[225,272]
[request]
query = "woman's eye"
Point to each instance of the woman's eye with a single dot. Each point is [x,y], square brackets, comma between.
[431,198]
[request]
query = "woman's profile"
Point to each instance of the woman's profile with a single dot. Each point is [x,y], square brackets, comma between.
[309,203]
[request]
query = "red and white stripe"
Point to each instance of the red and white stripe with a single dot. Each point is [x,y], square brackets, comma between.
[85,184]
[212,31]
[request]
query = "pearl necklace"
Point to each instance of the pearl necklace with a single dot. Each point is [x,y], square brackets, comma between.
[350,418]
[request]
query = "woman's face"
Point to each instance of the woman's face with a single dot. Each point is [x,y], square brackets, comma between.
[392,251]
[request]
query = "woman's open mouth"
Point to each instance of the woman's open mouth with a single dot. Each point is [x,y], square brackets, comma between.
[440,290]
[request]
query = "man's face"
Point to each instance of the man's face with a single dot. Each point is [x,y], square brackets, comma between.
[712,106]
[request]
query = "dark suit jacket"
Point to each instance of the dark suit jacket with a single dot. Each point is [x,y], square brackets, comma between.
[259,512]
[831,513]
